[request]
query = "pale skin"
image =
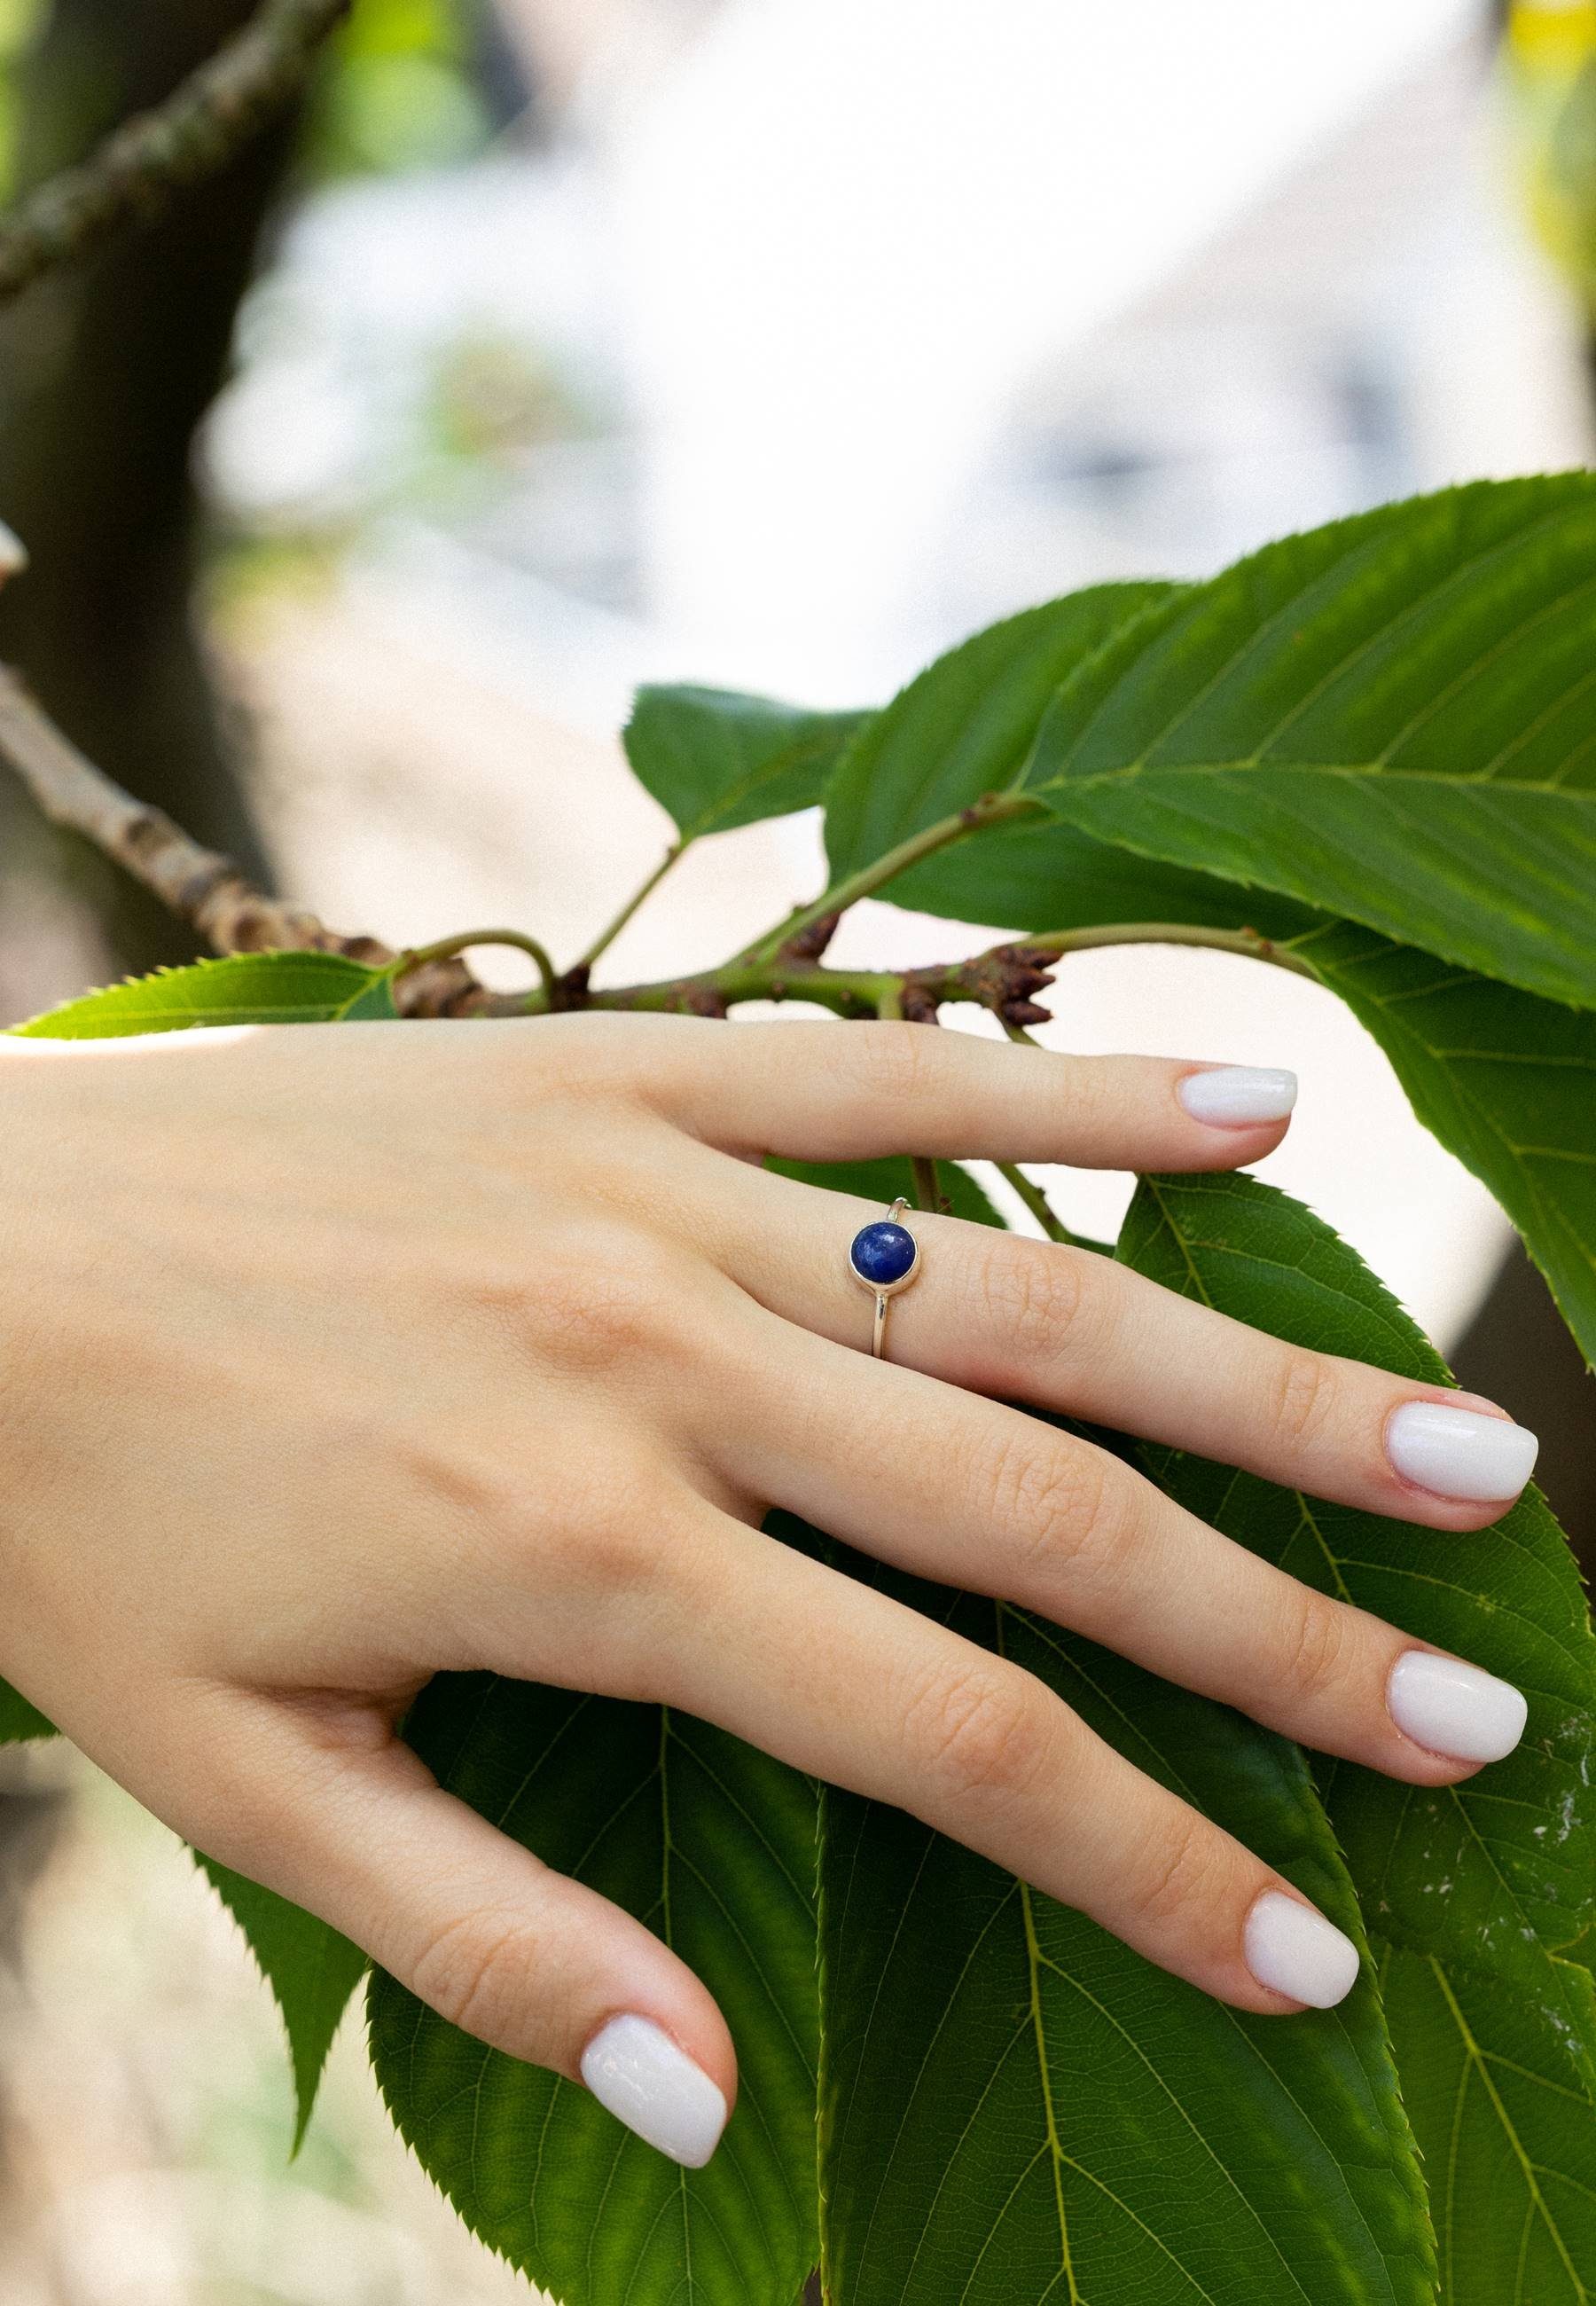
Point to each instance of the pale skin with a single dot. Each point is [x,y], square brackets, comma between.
[336,1357]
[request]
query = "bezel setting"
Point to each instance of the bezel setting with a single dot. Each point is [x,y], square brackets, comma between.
[864,1280]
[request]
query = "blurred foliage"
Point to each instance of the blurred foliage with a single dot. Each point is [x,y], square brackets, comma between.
[18,21]
[1549,59]
[402,90]
[491,396]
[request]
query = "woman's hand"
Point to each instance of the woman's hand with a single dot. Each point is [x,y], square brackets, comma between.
[331,1358]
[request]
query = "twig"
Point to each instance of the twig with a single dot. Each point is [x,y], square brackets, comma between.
[928,1192]
[608,934]
[199,884]
[1037,1201]
[992,808]
[1002,979]
[137,174]
[449,948]
[208,891]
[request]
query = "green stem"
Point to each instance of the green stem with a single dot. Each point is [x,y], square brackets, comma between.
[992,808]
[1035,1201]
[874,993]
[607,936]
[448,948]
[1250,943]
[850,993]
[928,1190]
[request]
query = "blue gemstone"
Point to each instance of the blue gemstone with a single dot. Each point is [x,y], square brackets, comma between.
[881,1253]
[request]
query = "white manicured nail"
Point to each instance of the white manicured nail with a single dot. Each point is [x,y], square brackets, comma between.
[1293,1949]
[1454,1709]
[1457,1453]
[1235,1096]
[635,2070]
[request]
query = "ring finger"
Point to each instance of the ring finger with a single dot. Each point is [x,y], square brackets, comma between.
[975,1494]
[1070,1330]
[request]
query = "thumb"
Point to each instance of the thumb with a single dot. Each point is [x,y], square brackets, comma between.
[501,1945]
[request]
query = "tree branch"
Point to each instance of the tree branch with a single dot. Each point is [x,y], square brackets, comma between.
[208,891]
[1037,1201]
[143,167]
[199,884]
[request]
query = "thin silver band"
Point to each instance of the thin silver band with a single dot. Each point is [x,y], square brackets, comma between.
[885,1293]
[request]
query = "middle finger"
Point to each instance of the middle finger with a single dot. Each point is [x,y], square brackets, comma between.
[974,1494]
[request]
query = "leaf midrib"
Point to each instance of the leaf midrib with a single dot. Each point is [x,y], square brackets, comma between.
[1473,781]
[813,744]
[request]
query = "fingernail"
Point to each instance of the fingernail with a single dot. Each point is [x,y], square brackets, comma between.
[1454,1709]
[1231,1096]
[1457,1453]
[1293,1949]
[637,2073]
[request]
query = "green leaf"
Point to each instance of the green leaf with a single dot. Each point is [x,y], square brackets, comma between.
[1504,1081]
[965,726]
[1508,2131]
[712,1845]
[1015,2106]
[372,1004]
[1393,718]
[19,1721]
[312,1970]
[1051,875]
[1208,2156]
[264,988]
[715,758]
[1498,1872]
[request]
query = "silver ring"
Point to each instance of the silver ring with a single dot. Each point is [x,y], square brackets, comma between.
[883,1257]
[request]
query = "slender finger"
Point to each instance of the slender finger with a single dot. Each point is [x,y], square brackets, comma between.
[817,1094]
[842,1681]
[975,1494]
[356,1829]
[1070,1330]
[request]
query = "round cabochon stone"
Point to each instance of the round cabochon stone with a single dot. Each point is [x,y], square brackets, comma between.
[882,1252]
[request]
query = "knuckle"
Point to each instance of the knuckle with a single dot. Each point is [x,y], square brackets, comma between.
[1052,1500]
[1314,1661]
[611,1531]
[1036,1296]
[475,1970]
[601,1295]
[1180,1872]
[1303,1397]
[977,1731]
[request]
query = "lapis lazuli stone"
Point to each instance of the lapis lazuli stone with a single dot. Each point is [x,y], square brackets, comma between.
[882,1252]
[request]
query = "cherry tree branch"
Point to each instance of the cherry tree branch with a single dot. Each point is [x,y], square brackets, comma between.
[199,884]
[207,889]
[142,168]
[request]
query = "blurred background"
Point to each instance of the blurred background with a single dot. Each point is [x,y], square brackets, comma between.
[562,343]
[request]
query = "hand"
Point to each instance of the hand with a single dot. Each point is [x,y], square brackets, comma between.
[333,1358]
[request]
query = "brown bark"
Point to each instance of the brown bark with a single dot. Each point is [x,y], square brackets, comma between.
[105,373]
